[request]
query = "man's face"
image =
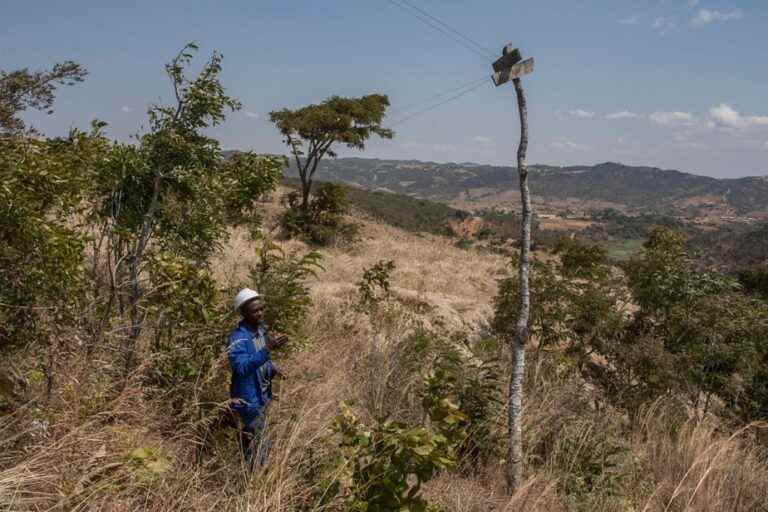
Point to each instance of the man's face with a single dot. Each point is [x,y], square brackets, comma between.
[253,311]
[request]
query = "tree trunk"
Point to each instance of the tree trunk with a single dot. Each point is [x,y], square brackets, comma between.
[515,455]
[136,293]
[305,189]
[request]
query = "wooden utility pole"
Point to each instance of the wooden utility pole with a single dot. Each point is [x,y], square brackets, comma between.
[511,67]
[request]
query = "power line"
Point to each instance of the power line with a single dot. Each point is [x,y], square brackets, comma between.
[436,105]
[463,36]
[441,94]
[426,20]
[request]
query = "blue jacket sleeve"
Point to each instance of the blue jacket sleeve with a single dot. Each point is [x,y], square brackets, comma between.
[242,361]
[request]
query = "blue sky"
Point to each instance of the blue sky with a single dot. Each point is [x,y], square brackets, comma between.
[670,83]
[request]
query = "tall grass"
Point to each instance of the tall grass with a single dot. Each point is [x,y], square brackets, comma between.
[78,451]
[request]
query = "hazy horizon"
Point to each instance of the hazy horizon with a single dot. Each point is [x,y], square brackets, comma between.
[530,164]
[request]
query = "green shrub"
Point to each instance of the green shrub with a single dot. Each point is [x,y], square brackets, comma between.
[464,243]
[282,280]
[188,336]
[476,389]
[754,280]
[321,221]
[374,286]
[386,464]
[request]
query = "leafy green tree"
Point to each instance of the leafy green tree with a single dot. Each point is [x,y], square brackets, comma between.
[310,132]
[664,276]
[548,316]
[577,302]
[244,178]
[43,184]
[694,334]
[172,191]
[23,89]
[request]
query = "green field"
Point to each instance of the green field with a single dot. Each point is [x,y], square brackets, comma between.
[623,250]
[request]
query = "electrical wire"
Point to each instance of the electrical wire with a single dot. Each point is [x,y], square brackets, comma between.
[471,41]
[441,94]
[449,32]
[436,105]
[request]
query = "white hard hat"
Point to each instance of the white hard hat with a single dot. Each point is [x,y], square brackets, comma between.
[244,296]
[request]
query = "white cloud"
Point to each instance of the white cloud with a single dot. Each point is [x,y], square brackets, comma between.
[672,118]
[485,141]
[705,16]
[252,115]
[725,115]
[632,20]
[624,114]
[583,114]
[126,109]
[664,24]
[569,144]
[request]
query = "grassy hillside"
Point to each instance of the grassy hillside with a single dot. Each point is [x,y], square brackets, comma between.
[94,447]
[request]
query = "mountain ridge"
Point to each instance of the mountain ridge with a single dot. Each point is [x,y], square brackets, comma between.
[633,187]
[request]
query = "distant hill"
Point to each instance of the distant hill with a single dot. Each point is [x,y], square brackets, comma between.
[465,184]
[404,212]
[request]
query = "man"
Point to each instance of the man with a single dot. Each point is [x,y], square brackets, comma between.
[249,349]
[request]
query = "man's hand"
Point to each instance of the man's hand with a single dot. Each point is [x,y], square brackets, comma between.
[276,342]
[277,372]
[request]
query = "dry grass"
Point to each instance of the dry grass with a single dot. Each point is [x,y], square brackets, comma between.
[79,459]
[701,468]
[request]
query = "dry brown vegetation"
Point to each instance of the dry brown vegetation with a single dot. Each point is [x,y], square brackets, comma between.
[94,447]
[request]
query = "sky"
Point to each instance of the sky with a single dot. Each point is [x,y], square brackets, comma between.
[676,84]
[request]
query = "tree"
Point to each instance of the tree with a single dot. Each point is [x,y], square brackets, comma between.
[172,191]
[576,304]
[694,332]
[23,89]
[43,185]
[311,131]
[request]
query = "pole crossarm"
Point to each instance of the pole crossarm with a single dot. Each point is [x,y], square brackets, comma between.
[512,72]
[510,57]
[510,66]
